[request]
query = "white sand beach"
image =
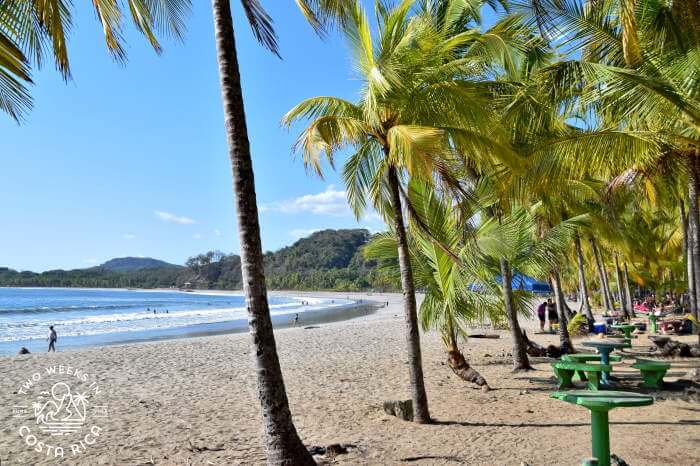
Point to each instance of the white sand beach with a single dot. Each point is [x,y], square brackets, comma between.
[192,401]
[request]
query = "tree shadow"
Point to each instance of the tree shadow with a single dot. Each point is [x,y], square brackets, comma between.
[691,422]
[456,459]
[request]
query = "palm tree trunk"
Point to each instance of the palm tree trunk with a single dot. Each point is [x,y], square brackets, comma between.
[564,338]
[605,289]
[628,293]
[692,295]
[586,305]
[283,446]
[421,413]
[620,289]
[520,360]
[694,223]
[459,364]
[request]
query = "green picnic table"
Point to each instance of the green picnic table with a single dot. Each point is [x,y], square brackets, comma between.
[627,329]
[605,347]
[599,403]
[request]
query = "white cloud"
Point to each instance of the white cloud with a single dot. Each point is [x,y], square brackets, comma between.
[197,236]
[328,202]
[172,218]
[302,233]
[128,236]
[90,261]
[217,232]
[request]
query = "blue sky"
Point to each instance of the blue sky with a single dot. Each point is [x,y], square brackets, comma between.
[132,160]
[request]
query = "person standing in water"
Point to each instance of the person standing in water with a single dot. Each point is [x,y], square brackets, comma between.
[296,320]
[53,337]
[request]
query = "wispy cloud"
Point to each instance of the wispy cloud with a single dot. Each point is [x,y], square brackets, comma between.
[172,218]
[90,261]
[329,202]
[128,236]
[217,232]
[197,236]
[301,232]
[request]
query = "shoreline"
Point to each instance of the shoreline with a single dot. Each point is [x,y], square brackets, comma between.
[323,310]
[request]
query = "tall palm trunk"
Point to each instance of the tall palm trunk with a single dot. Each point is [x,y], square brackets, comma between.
[605,288]
[694,224]
[692,294]
[621,289]
[421,414]
[586,305]
[283,446]
[564,338]
[520,360]
[628,293]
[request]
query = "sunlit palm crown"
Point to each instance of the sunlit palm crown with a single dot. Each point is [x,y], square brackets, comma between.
[639,66]
[424,103]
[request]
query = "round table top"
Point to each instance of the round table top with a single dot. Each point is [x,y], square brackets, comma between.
[623,326]
[613,344]
[603,399]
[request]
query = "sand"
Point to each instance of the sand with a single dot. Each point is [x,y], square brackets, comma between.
[192,401]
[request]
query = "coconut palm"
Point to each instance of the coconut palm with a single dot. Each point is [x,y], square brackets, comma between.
[423,106]
[456,294]
[639,70]
[517,242]
[31,28]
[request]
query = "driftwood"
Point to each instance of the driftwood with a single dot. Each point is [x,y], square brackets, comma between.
[464,371]
[535,350]
[669,348]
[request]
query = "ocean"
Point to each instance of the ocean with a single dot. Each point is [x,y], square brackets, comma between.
[90,317]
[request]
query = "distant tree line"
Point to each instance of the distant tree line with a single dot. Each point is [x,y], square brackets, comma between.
[326,260]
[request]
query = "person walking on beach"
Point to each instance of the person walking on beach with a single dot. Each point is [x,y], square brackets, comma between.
[53,337]
[296,320]
[552,315]
[541,312]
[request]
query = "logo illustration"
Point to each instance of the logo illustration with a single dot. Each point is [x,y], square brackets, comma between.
[62,411]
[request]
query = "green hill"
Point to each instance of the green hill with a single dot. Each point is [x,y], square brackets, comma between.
[326,260]
[130,264]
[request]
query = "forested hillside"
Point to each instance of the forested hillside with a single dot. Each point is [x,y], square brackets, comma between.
[326,260]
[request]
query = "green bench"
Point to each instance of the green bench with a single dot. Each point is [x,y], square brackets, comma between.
[564,370]
[586,357]
[652,372]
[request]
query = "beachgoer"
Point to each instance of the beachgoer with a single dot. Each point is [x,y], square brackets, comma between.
[53,337]
[154,311]
[552,315]
[296,320]
[541,313]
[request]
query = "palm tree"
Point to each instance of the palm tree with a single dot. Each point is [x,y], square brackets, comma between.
[638,71]
[30,28]
[423,107]
[454,284]
[32,25]
[283,444]
[586,305]
[517,242]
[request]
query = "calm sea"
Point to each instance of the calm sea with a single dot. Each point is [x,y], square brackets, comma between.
[95,316]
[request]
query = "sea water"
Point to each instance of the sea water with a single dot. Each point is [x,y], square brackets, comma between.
[104,316]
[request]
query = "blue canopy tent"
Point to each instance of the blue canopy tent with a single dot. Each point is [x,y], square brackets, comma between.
[521,282]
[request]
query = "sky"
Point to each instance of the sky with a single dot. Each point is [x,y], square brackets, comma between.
[131,160]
